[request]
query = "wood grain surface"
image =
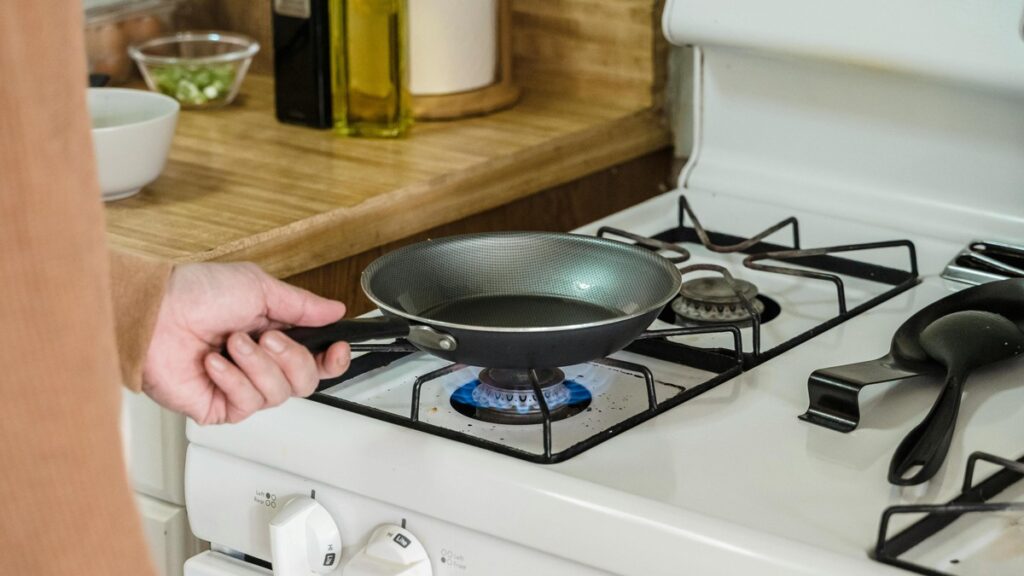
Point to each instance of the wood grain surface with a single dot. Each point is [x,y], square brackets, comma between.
[611,50]
[561,208]
[602,50]
[241,186]
[250,17]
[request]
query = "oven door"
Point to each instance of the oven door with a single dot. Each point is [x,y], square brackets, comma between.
[212,563]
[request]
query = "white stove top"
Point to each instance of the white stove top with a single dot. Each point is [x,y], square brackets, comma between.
[739,453]
[730,480]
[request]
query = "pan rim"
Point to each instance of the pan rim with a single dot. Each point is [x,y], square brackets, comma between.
[677,282]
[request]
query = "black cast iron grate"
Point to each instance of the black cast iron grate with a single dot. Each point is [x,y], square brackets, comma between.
[973,499]
[816,264]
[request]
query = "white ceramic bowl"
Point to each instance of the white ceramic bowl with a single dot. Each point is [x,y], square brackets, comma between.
[131,135]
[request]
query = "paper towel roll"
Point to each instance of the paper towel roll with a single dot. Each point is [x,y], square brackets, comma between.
[453,45]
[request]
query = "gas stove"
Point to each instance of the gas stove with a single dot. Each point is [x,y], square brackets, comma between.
[734,312]
[892,141]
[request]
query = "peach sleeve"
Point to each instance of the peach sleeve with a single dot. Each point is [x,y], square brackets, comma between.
[137,286]
[68,507]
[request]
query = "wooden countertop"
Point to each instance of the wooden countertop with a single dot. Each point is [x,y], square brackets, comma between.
[240,186]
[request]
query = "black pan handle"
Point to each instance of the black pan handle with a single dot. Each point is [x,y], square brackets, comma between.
[927,444]
[357,330]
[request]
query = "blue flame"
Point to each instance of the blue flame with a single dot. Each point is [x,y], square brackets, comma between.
[578,394]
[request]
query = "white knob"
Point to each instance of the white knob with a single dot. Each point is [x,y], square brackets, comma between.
[391,551]
[304,539]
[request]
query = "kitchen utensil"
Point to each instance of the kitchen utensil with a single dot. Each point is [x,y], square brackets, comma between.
[961,341]
[362,329]
[131,133]
[511,300]
[833,391]
[198,69]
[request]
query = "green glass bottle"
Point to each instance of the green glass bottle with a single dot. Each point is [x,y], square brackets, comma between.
[370,77]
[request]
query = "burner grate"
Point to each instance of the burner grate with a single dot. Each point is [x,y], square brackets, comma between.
[972,500]
[651,344]
[546,418]
[819,264]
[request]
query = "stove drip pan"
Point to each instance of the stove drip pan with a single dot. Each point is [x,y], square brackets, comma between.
[502,396]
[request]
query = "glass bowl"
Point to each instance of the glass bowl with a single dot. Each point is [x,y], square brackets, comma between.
[198,69]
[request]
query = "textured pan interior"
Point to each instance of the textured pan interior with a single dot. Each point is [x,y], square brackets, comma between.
[520,280]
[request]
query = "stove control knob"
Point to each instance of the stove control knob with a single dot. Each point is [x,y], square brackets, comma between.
[391,551]
[304,540]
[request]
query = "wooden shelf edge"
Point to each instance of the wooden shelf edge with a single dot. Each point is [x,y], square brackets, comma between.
[344,232]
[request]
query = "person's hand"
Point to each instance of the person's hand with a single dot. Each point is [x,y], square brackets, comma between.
[208,304]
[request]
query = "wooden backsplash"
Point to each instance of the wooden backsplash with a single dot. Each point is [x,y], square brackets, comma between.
[611,50]
[608,50]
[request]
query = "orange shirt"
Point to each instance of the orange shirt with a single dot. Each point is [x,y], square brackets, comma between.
[66,505]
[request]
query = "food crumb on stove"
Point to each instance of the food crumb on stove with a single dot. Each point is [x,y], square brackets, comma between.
[433,410]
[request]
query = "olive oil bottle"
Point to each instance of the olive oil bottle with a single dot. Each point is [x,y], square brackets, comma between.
[370,72]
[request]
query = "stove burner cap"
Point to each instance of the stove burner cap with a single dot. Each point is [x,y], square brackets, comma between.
[503,396]
[511,379]
[711,299]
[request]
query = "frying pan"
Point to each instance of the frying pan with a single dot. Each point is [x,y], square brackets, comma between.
[515,300]
[833,391]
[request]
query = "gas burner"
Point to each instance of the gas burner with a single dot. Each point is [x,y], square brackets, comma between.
[502,396]
[711,300]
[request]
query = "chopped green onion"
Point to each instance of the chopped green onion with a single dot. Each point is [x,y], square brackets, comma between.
[195,85]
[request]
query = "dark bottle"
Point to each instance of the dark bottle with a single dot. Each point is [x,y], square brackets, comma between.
[302,62]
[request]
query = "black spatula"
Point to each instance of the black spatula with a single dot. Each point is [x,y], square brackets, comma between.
[961,341]
[833,391]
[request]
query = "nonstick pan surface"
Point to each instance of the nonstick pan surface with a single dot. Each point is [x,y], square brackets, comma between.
[517,299]
[520,281]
